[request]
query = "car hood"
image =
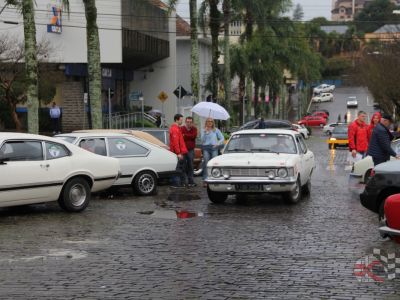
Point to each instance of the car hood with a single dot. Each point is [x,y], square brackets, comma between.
[249,159]
[392,166]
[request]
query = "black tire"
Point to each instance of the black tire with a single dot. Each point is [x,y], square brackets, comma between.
[293,197]
[216,197]
[328,132]
[145,183]
[367,175]
[306,189]
[75,195]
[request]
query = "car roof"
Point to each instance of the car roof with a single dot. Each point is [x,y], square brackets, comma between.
[261,131]
[94,134]
[19,135]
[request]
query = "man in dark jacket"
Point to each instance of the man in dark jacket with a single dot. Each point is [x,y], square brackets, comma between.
[380,145]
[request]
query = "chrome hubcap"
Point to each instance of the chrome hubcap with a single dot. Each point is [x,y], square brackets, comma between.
[146,183]
[296,191]
[77,195]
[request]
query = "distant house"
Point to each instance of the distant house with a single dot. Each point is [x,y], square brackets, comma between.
[345,10]
[387,33]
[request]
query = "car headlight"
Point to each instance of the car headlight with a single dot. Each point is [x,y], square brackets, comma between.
[271,174]
[282,173]
[332,139]
[216,172]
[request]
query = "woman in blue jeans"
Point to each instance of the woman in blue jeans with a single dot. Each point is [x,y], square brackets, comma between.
[211,140]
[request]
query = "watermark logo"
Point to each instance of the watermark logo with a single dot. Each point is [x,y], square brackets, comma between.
[377,267]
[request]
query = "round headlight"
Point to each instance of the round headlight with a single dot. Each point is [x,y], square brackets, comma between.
[216,172]
[282,173]
[271,174]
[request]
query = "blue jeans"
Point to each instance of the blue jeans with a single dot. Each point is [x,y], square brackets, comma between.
[209,152]
[189,166]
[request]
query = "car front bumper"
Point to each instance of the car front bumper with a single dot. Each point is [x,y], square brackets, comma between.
[253,185]
[386,230]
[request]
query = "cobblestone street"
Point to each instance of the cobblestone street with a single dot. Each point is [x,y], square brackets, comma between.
[129,247]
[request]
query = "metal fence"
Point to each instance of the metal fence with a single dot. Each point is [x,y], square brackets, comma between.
[122,121]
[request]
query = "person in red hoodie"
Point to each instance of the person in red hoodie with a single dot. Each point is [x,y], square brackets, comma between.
[376,118]
[178,146]
[189,132]
[358,135]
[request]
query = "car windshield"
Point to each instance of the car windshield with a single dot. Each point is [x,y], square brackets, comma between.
[275,143]
[69,139]
[340,130]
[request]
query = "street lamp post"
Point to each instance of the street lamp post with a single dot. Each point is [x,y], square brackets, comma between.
[141,98]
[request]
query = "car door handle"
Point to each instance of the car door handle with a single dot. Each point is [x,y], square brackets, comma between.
[45,166]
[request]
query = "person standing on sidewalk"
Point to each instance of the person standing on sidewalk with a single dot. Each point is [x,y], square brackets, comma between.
[358,136]
[380,146]
[189,132]
[177,146]
[55,114]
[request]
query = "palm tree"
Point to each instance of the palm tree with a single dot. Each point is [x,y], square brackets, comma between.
[239,67]
[31,63]
[94,62]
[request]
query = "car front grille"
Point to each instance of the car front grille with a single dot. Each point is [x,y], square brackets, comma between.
[250,172]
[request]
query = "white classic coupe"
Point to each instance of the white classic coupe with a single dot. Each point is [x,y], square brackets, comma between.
[142,163]
[261,161]
[37,169]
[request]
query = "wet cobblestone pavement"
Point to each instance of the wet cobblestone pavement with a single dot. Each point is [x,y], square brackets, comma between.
[128,247]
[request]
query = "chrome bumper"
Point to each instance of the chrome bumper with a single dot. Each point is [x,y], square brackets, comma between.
[266,186]
[385,230]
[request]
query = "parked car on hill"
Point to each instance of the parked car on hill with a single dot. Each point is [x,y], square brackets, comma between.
[312,121]
[324,88]
[302,129]
[352,101]
[323,97]
[142,163]
[261,161]
[320,114]
[37,169]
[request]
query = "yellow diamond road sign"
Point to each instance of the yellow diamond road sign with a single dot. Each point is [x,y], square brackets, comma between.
[163,96]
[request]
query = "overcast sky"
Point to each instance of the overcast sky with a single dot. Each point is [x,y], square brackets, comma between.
[311,8]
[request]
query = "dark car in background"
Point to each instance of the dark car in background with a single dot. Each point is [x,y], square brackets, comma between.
[267,124]
[384,182]
[339,136]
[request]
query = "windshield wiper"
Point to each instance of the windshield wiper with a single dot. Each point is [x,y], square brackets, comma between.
[237,150]
[260,150]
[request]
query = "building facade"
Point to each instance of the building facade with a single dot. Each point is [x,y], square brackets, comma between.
[345,10]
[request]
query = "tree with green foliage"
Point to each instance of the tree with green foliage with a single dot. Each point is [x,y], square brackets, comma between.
[298,13]
[376,14]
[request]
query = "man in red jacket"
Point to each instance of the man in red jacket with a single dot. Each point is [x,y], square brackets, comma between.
[189,132]
[177,145]
[358,135]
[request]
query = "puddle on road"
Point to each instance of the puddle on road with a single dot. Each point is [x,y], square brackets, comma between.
[51,254]
[172,214]
[178,196]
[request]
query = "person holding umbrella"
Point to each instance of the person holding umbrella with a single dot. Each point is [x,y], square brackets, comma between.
[211,140]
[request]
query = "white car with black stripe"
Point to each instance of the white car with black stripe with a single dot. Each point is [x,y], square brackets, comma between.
[261,161]
[37,169]
[142,163]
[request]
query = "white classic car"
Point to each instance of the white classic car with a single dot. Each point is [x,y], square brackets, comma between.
[261,161]
[352,101]
[363,167]
[37,169]
[323,97]
[142,163]
[324,88]
[302,129]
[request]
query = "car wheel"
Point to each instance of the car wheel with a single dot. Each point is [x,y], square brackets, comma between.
[367,175]
[216,197]
[75,195]
[328,132]
[294,196]
[306,189]
[145,183]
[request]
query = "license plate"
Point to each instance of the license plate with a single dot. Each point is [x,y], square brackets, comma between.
[249,187]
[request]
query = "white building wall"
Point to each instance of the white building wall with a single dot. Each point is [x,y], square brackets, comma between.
[69,46]
[162,78]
